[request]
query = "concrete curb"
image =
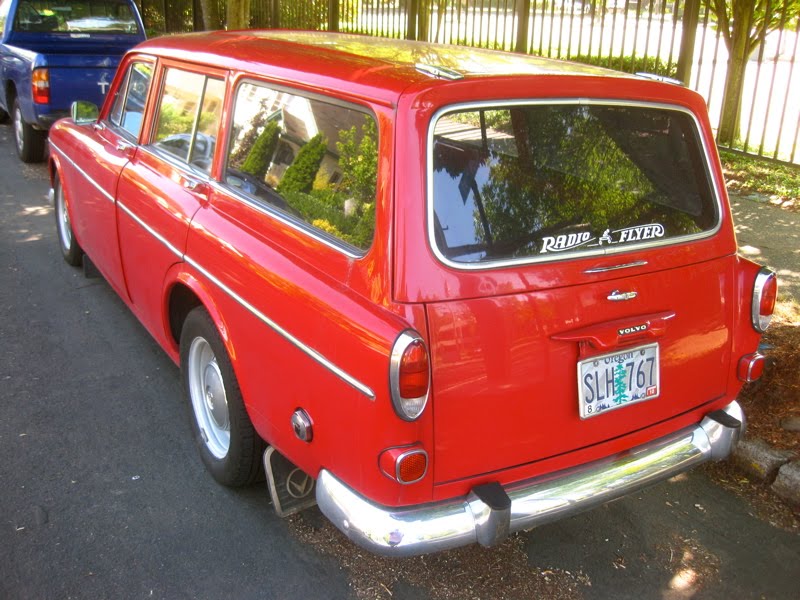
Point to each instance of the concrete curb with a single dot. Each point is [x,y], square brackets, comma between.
[780,469]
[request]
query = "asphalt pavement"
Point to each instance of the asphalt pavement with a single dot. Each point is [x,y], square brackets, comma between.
[102,494]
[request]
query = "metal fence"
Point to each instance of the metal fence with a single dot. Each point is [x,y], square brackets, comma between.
[680,38]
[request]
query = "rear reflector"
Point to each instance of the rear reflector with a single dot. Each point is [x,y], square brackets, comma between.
[40,84]
[765,292]
[751,367]
[405,465]
[409,376]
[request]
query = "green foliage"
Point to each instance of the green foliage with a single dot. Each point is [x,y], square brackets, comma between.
[260,155]
[300,175]
[630,64]
[359,161]
[324,210]
[172,120]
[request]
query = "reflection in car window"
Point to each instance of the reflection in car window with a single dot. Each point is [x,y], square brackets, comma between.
[129,100]
[311,159]
[182,129]
[546,180]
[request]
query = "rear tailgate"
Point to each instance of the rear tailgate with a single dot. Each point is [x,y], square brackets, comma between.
[80,77]
[595,293]
[505,369]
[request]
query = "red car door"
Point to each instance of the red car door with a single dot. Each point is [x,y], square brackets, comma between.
[164,184]
[92,164]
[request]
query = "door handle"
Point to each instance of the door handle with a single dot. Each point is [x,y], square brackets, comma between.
[199,188]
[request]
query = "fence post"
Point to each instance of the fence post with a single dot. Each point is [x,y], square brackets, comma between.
[411,19]
[333,15]
[523,16]
[274,14]
[691,18]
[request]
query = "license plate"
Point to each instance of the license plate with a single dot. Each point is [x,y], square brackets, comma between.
[611,381]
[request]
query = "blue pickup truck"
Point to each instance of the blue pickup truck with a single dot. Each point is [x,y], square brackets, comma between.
[53,52]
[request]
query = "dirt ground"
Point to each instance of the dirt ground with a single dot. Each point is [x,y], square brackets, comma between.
[770,235]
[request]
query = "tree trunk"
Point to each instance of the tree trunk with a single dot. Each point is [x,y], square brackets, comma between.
[211,16]
[238,14]
[739,49]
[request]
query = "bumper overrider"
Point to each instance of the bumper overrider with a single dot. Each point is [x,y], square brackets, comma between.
[490,512]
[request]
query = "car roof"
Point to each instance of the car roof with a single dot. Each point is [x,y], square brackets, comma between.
[377,67]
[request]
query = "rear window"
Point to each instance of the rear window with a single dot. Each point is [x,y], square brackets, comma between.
[76,16]
[545,181]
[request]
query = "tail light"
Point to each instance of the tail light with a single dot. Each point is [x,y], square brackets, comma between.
[405,465]
[40,83]
[409,376]
[765,291]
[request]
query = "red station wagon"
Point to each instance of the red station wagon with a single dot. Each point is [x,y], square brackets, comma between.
[444,293]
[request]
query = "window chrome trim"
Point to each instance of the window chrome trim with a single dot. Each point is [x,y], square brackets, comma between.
[600,252]
[308,350]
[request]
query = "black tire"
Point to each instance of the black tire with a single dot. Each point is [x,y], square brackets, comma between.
[215,405]
[3,116]
[70,249]
[30,142]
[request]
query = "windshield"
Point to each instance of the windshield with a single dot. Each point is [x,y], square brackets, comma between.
[542,181]
[75,16]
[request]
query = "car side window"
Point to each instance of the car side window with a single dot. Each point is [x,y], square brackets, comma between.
[188,117]
[129,100]
[314,160]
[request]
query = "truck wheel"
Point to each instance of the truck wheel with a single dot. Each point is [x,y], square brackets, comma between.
[30,141]
[70,249]
[228,443]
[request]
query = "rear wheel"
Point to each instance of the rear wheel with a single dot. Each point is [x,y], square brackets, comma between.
[228,443]
[30,142]
[70,249]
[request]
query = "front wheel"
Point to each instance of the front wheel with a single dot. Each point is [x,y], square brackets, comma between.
[30,142]
[228,443]
[70,249]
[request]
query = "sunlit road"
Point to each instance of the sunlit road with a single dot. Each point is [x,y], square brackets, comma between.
[102,494]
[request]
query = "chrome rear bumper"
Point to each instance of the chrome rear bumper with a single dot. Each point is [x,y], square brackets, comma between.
[489,513]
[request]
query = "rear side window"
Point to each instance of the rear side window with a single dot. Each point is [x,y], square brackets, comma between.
[315,161]
[539,182]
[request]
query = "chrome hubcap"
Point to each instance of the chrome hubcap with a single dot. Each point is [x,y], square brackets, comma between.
[209,402]
[64,229]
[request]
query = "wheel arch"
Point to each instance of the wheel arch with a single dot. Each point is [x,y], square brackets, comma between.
[183,292]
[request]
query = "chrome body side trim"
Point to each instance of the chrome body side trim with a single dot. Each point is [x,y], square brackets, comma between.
[86,176]
[308,350]
[319,358]
[448,524]
[637,263]
[150,230]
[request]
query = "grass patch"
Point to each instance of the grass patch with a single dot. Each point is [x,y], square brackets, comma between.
[778,183]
